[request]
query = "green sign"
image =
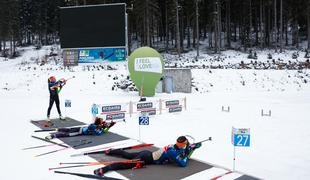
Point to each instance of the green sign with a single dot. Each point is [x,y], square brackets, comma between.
[145,67]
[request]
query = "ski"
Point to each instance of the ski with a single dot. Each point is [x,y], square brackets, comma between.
[108,147]
[103,163]
[104,148]
[34,147]
[45,130]
[220,176]
[124,148]
[83,164]
[47,145]
[81,144]
[46,140]
[86,175]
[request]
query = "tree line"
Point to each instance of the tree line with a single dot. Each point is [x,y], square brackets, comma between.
[170,25]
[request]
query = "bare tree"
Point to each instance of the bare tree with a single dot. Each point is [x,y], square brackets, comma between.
[281,26]
[308,24]
[228,25]
[145,12]
[4,24]
[147,23]
[164,21]
[275,24]
[177,29]
[197,28]
[217,36]
[250,22]
[261,24]
[219,23]
[166,27]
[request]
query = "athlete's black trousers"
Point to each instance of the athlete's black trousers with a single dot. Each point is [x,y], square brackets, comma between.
[145,156]
[67,132]
[53,98]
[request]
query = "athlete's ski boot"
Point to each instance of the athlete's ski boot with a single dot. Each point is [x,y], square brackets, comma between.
[61,117]
[49,137]
[99,172]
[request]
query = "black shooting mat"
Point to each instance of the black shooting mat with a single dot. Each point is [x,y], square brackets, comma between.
[246,177]
[167,171]
[57,123]
[95,140]
[71,141]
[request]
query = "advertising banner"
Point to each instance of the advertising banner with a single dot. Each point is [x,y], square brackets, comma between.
[101,54]
[145,66]
[148,64]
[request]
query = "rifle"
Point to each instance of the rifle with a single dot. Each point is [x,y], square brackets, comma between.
[61,83]
[209,139]
[193,146]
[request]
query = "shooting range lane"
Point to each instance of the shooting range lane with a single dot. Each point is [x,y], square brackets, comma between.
[168,171]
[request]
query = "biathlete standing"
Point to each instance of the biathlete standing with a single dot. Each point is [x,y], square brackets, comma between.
[54,88]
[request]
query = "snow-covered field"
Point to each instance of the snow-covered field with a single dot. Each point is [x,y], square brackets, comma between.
[280,144]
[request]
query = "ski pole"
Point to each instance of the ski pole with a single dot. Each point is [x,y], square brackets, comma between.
[98,163]
[103,151]
[34,147]
[108,147]
[84,143]
[125,148]
[86,175]
[126,161]
[59,144]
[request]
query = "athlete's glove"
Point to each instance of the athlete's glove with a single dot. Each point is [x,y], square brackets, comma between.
[195,146]
[112,124]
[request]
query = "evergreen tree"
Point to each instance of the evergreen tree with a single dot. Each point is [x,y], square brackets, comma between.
[249,23]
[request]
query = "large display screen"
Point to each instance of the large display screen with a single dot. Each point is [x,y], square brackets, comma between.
[93,26]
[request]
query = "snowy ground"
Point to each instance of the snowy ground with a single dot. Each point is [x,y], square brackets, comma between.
[280,144]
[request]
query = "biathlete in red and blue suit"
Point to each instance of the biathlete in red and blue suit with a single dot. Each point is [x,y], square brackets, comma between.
[178,153]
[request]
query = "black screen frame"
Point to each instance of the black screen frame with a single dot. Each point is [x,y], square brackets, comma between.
[93,26]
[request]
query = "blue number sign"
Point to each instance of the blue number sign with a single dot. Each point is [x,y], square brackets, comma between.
[144,120]
[94,109]
[67,103]
[241,137]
